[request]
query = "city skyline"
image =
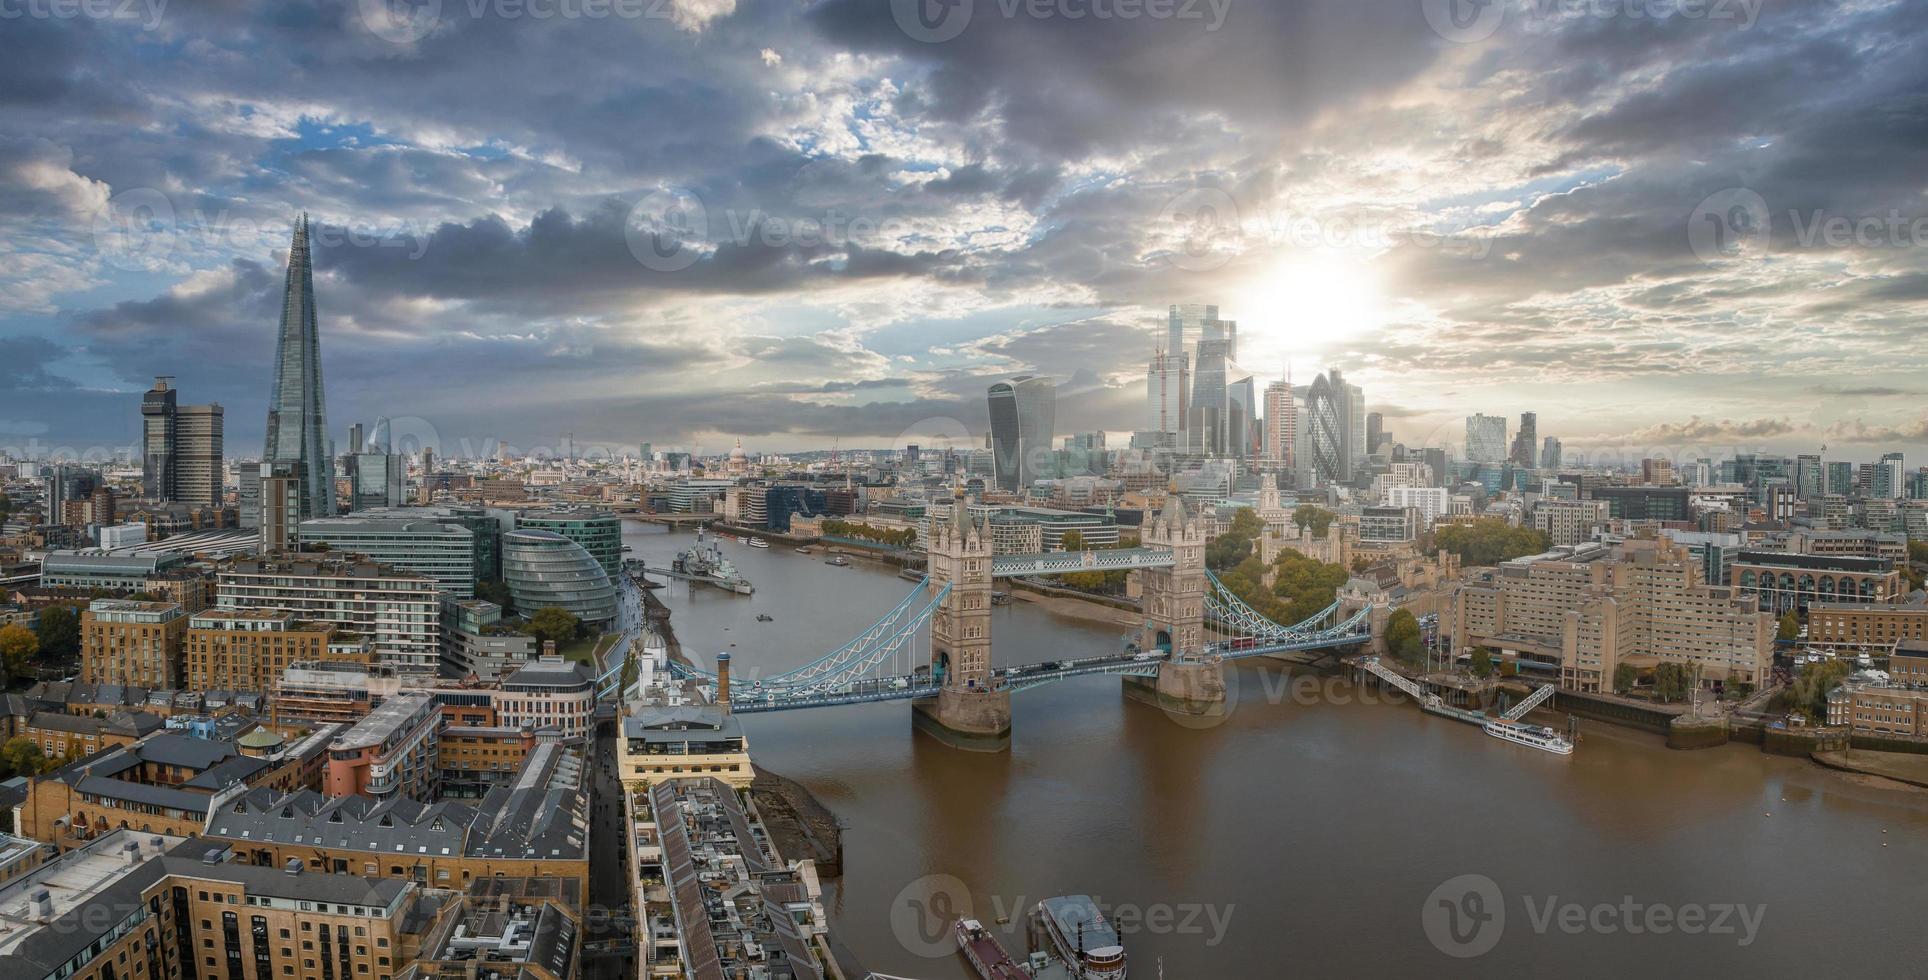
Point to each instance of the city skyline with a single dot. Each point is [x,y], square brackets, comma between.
[493,243]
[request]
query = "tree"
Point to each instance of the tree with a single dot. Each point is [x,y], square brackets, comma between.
[1482,662]
[553,623]
[1072,541]
[22,757]
[18,645]
[1670,682]
[1623,677]
[1309,516]
[1489,541]
[1403,637]
[59,632]
[1235,545]
[1790,626]
[495,591]
[1809,694]
[1307,586]
[6,507]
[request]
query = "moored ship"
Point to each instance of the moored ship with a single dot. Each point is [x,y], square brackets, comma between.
[1533,736]
[1082,937]
[986,954]
[759,543]
[704,562]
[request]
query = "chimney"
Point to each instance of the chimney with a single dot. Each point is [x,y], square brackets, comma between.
[723,681]
[42,901]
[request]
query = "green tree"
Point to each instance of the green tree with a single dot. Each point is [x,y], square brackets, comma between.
[1489,541]
[1482,662]
[1306,586]
[1790,627]
[1809,693]
[59,632]
[1318,519]
[1072,541]
[495,591]
[1403,636]
[22,757]
[554,624]
[1671,682]
[18,645]
[6,507]
[1623,678]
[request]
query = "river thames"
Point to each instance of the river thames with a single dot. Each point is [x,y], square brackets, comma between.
[1316,832]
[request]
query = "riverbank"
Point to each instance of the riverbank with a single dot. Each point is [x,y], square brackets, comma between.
[1901,767]
[658,616]
[800,825]
[1077,608]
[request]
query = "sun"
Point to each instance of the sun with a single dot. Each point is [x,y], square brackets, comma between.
[1308,304]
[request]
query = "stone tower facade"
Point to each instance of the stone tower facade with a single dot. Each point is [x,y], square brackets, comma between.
[1174,598]
[960,556]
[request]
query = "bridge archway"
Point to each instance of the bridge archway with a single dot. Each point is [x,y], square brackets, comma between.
[1163,641]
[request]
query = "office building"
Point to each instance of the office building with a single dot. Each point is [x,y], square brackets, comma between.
[181,448]
[1646,503]
[543,569]
[66,484]
[1209,421]
[1486,438]
[1431,503]
[1281,424]
[377,480]
[1550,453]
[1333,433]
[399,612]
[444,551]
[1526,442]
[1023,420]
[297,413]
[1168,388]
[664,743]
[389,753]
[132,642]
[599,532]
[1569,522]
[1786,582]
[1890,477]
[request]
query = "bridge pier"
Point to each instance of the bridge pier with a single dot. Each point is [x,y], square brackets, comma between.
[964,718]
[1192,689]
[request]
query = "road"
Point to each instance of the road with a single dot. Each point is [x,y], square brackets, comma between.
[609,911]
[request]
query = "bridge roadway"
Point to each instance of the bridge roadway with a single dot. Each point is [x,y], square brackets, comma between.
[1141,663]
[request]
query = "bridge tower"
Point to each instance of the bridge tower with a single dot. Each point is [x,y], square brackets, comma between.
[968,711]
[1190,682]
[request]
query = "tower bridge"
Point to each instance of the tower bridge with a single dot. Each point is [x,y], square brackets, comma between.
[960,697]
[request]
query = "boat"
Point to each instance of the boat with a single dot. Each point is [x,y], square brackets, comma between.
[704,562]
[837,560]
[986,954]
[1533,736]
[1083,937]
[803,551]
[759,543]
[765,618]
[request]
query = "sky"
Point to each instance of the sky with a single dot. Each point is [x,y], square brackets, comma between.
[1669,227]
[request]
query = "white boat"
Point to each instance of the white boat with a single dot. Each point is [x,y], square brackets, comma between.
[759,543]
[1533,736]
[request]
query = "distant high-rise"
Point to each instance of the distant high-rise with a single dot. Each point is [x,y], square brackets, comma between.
[1168,391]
[1810,480]
[1023,417]
[181,448]
[1281,423]
[1526,441]
[1549,453]
[1334,427]
[297,413]
[1486,438]
[1890,477]
[1208,421]
[1375,431]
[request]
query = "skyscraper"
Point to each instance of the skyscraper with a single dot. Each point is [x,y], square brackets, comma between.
[1375,431]
[1281,423]
[1023,417]
[1549,453]
[1209,419]
[181,448]
[1168,391]
[1810,480]
[297,415]
[1331,427]
[1486,438]
[1890,477]
[1527,441]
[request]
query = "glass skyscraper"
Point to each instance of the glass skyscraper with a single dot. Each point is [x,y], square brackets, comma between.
[296,413]
[1023,418]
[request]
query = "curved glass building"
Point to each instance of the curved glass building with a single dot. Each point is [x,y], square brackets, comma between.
[543,568]
[599,532]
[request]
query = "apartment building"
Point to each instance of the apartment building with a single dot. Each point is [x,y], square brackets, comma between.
[1569,522]
[247,649]
[132,642]
[400,612]
[389,752]
[664,743]
[1578,613]
[1866,626]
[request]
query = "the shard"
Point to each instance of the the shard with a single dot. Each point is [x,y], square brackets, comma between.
[297,417]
